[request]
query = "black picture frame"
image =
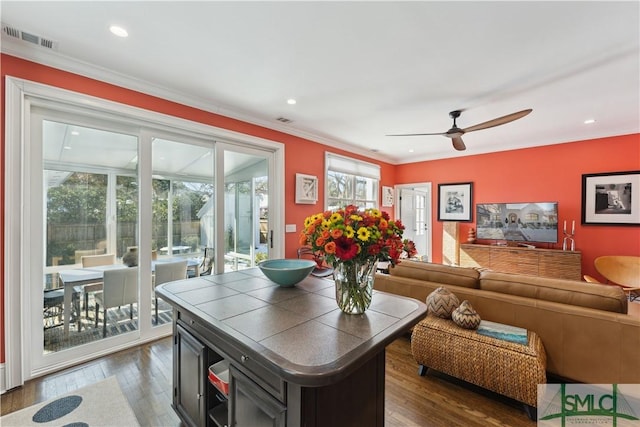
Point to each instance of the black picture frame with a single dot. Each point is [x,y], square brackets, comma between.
[611,198]
[455,202]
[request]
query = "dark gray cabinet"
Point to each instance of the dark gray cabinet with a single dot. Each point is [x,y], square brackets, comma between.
[195,399]
[190,355]
[200,403]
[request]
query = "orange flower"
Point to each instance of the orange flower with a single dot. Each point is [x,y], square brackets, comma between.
[336,233]
[330,248]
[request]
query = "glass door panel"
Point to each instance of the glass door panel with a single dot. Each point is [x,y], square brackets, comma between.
[246,209]
[182,209]
[89,213]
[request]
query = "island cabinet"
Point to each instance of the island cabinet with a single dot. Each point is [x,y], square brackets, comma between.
[538,262]
[250,353]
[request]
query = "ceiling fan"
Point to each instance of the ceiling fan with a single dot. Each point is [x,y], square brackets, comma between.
[455,133]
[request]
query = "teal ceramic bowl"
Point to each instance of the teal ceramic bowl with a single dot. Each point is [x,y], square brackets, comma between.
[287,272]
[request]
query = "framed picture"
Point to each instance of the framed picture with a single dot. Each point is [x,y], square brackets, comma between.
[306,189]
[454,201]
[387,196]
[611,198]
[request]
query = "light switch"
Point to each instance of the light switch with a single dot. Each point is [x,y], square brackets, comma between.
[290,228]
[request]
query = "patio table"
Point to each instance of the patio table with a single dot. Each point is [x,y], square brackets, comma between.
[85,276]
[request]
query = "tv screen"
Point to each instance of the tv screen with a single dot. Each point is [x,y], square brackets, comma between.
[520,222]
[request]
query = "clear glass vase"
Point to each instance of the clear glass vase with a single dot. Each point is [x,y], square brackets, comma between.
[354,285]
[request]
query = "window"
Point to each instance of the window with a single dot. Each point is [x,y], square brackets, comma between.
[350,182]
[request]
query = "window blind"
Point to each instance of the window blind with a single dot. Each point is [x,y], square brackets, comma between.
[349,166]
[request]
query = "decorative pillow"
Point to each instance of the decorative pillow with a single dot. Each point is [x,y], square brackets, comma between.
[465,316]
[442,302]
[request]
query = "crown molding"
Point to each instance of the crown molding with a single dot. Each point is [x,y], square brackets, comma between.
[65,63]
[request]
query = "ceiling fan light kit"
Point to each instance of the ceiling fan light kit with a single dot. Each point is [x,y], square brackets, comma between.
[455,133]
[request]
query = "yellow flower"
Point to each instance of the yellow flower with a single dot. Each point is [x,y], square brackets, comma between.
[375,213]
[355,217]
[349,232]
[335,217]
[364,234]
[309,220]
[326,224]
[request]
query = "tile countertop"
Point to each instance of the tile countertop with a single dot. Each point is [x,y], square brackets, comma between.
[299,333]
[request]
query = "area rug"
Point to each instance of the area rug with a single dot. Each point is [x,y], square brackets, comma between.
[100,404]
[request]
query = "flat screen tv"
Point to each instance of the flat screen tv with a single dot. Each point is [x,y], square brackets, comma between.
[520,222]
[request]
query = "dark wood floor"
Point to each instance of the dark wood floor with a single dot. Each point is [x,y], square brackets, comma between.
[144,374]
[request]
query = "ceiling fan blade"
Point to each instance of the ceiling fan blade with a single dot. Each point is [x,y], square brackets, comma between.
[419,134]
[458,144]
[499,121]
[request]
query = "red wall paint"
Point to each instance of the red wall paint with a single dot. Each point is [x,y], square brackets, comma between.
[301,155]
[549,173]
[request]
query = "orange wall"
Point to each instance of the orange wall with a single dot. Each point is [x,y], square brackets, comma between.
[550,173]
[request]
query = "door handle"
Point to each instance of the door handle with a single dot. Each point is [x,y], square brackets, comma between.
[271,239]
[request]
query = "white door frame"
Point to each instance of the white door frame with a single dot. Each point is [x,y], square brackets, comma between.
[426,188]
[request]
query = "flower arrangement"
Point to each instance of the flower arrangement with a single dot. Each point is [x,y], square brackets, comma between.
[353,241]
[353,235]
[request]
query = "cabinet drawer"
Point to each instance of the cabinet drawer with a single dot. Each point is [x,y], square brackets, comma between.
[243,360]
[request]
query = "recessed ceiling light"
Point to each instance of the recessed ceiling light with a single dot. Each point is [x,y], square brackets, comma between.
[66,147]
[118,31]
[589,121]
[75,133]
[291,101]
[411,150]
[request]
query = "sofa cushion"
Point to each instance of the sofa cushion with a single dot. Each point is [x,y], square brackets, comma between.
[573,292]
[442,302]
[438,273]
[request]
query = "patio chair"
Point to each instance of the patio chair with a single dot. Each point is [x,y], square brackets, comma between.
[168,272]
[87,262]
[53,307]
[120,287]
[207,262]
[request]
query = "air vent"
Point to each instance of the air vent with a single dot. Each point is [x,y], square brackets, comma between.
[283,120]
[12,32]
[28,37]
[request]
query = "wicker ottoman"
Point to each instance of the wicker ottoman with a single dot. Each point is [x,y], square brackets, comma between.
[507,368]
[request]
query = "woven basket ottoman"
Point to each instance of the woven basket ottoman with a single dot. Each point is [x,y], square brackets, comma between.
[504,367]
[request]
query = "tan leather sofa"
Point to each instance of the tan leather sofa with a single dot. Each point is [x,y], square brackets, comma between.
[587,335]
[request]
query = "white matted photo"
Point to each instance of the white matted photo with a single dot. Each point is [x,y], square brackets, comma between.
[454,201]
[387,196]
[611,198]
[306,189]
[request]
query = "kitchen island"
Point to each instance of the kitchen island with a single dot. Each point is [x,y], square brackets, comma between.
[248,352]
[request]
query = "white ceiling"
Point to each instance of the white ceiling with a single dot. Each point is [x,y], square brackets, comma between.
[361,70]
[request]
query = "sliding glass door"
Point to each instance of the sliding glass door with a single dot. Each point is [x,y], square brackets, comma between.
[106,190]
